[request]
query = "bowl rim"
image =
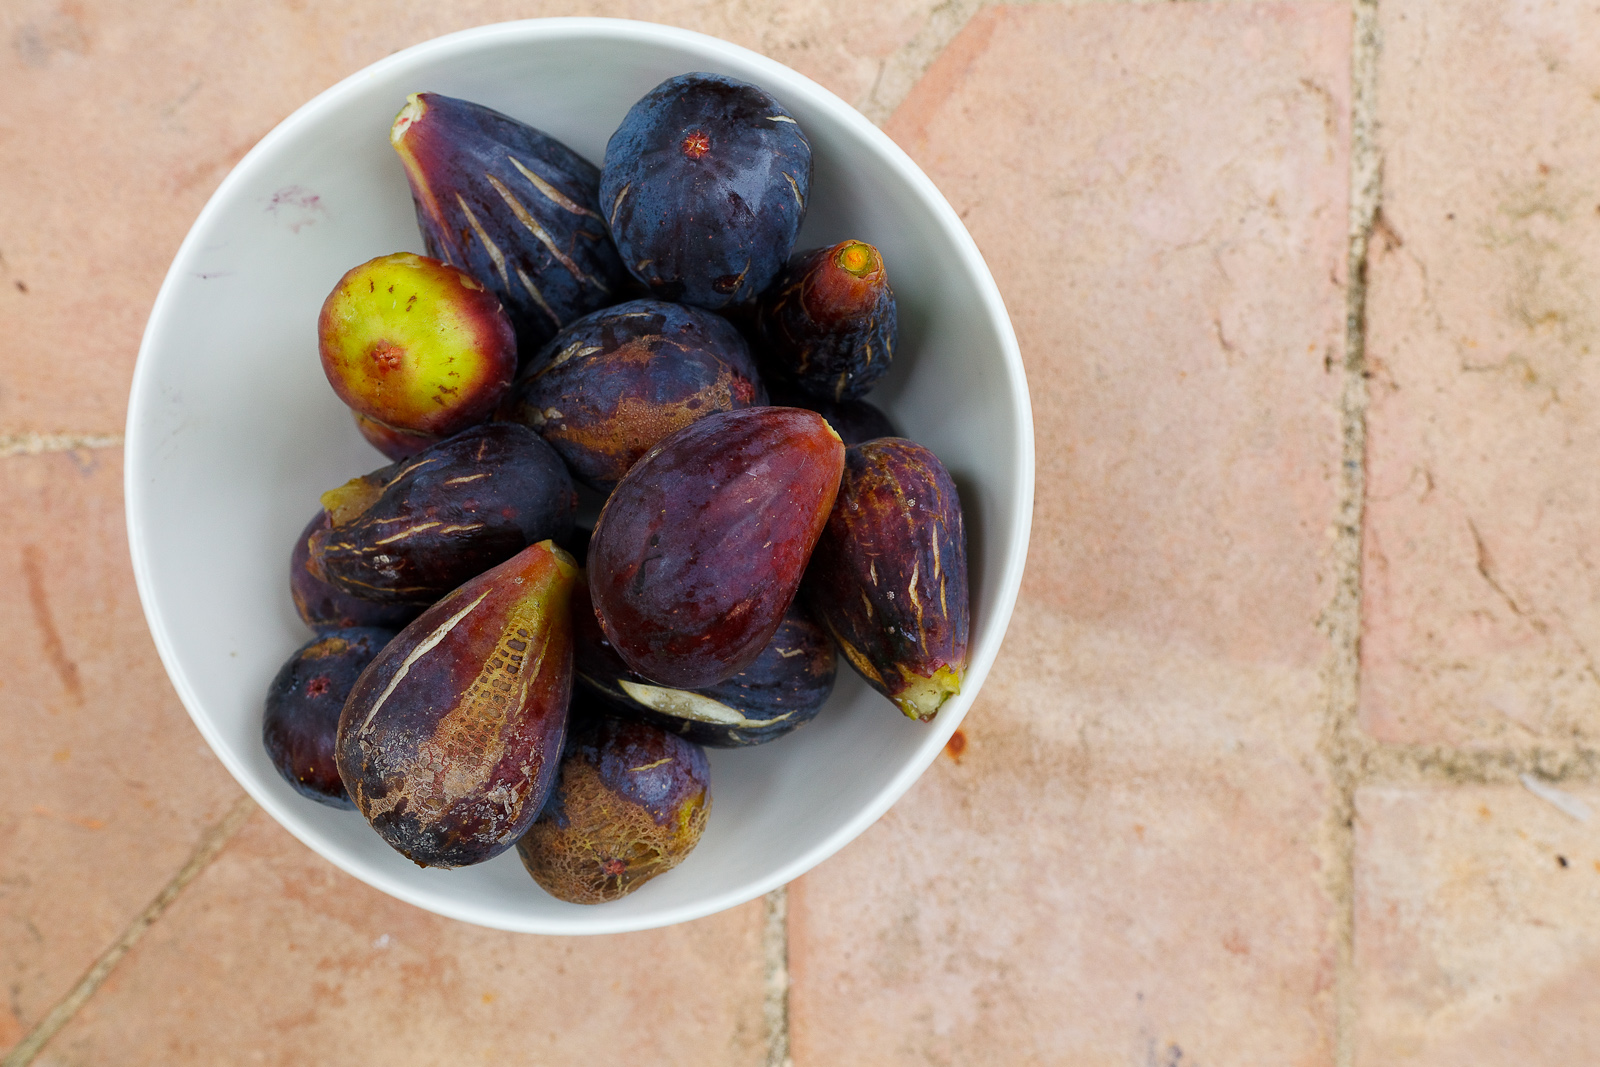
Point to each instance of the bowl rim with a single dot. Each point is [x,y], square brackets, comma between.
[543,31]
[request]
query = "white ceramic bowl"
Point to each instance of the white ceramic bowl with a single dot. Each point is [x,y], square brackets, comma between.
[233,434]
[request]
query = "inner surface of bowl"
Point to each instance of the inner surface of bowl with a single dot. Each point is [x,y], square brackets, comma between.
[233,434]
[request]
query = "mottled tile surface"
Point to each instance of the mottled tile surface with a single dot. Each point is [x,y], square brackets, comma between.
[124,117]
[1482,582]
[107,786]
[1477,928]
[1124,865]
[274,957]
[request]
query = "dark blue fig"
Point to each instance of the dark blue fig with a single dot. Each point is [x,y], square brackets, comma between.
[828,326]
[781,691]
[416,529]
[630,804]
[854,421]
[511,206]
[300,725]
[617,381]
[705,185]
[327,607]
[888,577]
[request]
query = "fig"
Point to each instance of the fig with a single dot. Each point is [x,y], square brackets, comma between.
[889,574]
[414,530]
[511,205]
[704,186]
[854,421]
[782,690]
[301,720]
[618,380]
[392,442]
[630,804]
[828,323]
[449,741]
[701,546]
[322,606]
[416,345]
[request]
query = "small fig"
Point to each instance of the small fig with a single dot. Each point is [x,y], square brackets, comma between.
[512,205]
[416,345]
[394,443]
[323,606]
[450,739]
[630,804]
[705,184]
[301,720]
[828,323]
[617,381]
[414,530]
[701,547]
[782,690]
[889,574]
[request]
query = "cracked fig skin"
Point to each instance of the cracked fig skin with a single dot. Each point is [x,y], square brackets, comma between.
[511,205]
[701,547]
[450,740]
[889,575]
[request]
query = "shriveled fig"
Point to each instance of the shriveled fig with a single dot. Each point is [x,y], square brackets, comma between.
[617,381]
[416,345]
[449,741]
[701,547]
[889,574]
[301,720]
[631,804]
[323,606]
[416,529]
[828,323]
[513,206]
[782,690]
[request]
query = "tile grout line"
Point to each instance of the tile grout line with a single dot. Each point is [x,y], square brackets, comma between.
[38,444]
[775,995]
[211,843]
[1341,742]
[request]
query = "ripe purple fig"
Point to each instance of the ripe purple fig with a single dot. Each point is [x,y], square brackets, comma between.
[828,323]
[323,606]
[701,547]
[617,381]
[416,345]
[450,739]
[889,574]
[511,205]
[301,720]
[630,804]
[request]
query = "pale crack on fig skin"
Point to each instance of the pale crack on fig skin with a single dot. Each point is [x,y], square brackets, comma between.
[410,531]
[550,192]
[495,255]
[529,223]
[538,297]
[428,644]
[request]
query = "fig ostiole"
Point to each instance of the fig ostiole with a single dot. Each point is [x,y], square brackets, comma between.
[889,575]
[449,740]
[700,549]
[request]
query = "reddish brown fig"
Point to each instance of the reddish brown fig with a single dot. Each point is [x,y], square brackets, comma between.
[702,545]
[889,576]
[450,740]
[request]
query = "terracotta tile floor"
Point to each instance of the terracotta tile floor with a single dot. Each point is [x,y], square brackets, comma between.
[1291,755]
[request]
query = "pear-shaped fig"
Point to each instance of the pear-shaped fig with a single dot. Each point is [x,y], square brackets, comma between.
[889,575]
[450,739]
[828,324]
[630,804]
[705,184]
[782,690]
[416,529]
[618,380]
[416,345]
[701,547]
[323,606]
[512,206]
[301,722]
